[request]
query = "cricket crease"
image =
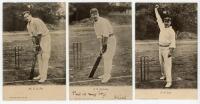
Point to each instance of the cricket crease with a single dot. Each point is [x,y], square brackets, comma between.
[22,81]
[91,80]
[159,80]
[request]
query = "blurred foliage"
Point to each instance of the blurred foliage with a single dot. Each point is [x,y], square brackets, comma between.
[79,11]
[13,19]
[184,18]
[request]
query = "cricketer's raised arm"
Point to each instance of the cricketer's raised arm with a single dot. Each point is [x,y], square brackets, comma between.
[159,19]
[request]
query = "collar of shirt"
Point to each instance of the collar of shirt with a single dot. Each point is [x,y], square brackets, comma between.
[98,20]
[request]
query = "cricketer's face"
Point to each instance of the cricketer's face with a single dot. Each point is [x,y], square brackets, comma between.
[94,16]
[167,23]
[27,17]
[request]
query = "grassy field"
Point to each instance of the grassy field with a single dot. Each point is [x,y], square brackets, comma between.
[56,63]
[122,62]
[184,69]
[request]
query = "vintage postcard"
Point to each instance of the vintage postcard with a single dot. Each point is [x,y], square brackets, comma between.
[100,51]
[34,51]
[166,50]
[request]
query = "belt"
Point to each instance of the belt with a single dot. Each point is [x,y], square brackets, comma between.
[110,35]
[163,45]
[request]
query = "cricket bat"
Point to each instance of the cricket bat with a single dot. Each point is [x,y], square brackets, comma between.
[95,66]
[36,41]
[33,66]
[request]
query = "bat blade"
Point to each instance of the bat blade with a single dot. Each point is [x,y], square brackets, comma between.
[33,67]
[95,66]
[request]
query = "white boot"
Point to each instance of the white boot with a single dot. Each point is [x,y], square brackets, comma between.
[37,78]
[162,77]
[168,85]
[42,80]
[101,76]
[106,78]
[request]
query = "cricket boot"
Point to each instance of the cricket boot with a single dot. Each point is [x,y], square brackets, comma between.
[37,78]
[101,76]
[106,78]
[162,77]
[168,85]
[42,80]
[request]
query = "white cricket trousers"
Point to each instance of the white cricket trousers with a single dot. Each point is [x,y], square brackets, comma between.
[165,63]
[108,55]
[44,55]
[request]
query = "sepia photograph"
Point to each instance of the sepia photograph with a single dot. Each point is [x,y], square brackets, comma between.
[166,49]
[34,53]
[100,49]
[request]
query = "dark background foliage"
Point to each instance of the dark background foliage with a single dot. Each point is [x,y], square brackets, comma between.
[13,19]
[79,11]
[184,19]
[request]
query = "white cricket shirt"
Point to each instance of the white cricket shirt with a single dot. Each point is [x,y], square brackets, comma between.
[37,26]
[167,35]
[102,27]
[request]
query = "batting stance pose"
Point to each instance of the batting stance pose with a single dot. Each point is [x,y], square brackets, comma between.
[39,33]
[104,33]
[166,47]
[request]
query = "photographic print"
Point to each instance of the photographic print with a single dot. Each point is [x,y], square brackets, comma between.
[34,51]
[100,50]
[166,50]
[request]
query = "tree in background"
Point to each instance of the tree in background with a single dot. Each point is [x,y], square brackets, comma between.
[13,19]
[79,11]
[184,18]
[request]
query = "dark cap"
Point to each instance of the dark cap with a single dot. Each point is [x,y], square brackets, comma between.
[93,10]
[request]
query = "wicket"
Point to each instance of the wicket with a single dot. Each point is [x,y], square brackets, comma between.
[17,50]
[144,68]
[77,55]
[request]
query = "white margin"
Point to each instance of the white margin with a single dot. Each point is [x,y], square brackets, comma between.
[134,101]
